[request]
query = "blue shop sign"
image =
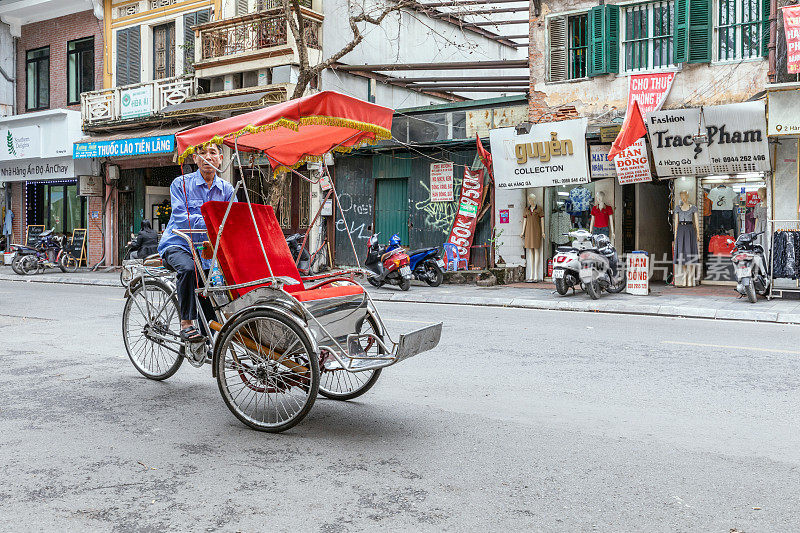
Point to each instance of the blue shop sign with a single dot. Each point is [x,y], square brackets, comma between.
[161,144]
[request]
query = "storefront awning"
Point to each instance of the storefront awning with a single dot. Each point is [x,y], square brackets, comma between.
[148,141]
[226,103]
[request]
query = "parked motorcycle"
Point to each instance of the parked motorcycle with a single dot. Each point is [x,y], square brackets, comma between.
[426,263]
[751,270]
[600,268]
[566,263]
[50,252]
[387,266]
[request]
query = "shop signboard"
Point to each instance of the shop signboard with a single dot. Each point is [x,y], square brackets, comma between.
[791,25]
[632,164]
[723,139]
[90,186]
[551,154]
[609,133]
[783,116]
[136,102]
[160,144]
[32,234]
[38,169]
[638,273]
[441,182]
[20,143]
[463,230]
[600,165]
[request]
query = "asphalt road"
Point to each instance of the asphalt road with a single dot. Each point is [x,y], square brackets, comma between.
[520,420]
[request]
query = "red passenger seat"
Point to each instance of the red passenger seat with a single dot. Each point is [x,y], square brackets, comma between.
[240,257]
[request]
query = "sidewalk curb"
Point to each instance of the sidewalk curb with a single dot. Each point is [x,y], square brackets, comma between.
[63,279]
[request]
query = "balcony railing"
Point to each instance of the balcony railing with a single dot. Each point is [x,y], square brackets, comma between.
[153,96]
[253,32]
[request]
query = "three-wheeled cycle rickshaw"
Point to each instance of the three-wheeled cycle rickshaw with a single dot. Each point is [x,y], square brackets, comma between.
[277,338]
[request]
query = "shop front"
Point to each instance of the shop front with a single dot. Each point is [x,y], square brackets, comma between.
[41,178]
[718,160]
[783,128]
[139,168]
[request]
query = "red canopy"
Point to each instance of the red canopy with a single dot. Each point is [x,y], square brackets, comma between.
[294,132]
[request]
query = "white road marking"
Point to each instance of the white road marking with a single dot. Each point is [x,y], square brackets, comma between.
[751,348]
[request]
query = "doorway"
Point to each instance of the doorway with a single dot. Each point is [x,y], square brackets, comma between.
[164,51]
[391,208]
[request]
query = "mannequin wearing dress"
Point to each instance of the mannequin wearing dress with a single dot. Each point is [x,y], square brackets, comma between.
[760,213]
[532,238]
[602,217]
[686,220]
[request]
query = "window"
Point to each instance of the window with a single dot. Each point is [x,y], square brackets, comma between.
[64,210]
[80,68]
[739,29]
[129,56]
[189,21]
[578,46]
[648,38]
[37,78]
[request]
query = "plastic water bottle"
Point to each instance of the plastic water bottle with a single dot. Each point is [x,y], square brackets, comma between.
[216,276]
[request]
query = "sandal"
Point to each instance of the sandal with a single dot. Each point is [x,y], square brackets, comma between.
[191,334]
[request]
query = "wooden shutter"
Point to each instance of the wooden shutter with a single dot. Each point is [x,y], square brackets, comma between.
[612,38]
[699,31]
[241,8]
[597,56]
[765,13]
[189,20]
[557,32]
[681,47]
[122,57]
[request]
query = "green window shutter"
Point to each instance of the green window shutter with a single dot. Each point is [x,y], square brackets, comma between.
[612,38]
[699,31]
[597,45]
[765,13]
[681,47]
[557,32]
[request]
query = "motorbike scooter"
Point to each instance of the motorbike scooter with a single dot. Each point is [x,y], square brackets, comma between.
[600,268]
[426,263]
[751,271]
[387,266]
[566,264]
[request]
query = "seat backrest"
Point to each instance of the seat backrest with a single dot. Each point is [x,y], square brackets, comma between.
[240,257]
[452,256]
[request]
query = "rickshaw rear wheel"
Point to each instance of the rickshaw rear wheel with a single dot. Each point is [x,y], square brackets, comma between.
[267,370]
[152,359]
[343,385]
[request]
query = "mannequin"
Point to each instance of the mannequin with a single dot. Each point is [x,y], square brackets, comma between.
[602,217]
[760,213]
[532,238]
[687,242]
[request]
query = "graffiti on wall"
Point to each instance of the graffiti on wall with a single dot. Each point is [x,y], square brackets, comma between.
[354,210]
[438,215]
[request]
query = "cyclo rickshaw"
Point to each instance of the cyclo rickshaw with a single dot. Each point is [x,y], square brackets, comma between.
[277,338]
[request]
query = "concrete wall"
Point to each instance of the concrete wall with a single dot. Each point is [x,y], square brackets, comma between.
[7,51]
[605,97]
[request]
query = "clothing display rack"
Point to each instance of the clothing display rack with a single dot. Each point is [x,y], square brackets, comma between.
[775,226]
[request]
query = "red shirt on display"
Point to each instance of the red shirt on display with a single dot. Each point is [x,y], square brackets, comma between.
[601,216]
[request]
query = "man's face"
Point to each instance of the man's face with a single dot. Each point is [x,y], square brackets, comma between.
[204,158]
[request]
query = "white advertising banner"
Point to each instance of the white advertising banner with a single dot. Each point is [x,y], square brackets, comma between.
[783,116]
[20,143]
[37,169]
[442,182]
[723,139]
[632,164]
[136,102]
[600,165]
[551,154]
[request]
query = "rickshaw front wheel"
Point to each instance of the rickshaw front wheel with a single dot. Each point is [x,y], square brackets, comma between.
[152,357]
[267,370]
[343,385]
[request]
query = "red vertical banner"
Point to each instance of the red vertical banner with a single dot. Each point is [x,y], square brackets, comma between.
[791,24]
[463,231]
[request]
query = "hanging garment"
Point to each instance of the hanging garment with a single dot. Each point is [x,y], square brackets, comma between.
[581,198]
[559,225]
[749,221]
[784,256]
[760,216]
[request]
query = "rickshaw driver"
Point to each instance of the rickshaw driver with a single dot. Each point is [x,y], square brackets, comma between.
[188,193]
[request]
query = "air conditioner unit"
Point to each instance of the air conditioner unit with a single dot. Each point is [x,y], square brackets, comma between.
[113,172]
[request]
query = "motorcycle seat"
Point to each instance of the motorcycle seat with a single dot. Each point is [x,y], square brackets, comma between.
[564,249]
[46,233]
[423,250]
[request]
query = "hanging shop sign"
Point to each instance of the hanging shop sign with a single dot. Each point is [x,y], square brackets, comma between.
[90,186]
[551,154]
[37,169]
[136,102]
[600,165]
[723,139]
[632,164]
[463,230]
[442,182]
[161,144]
[20,143]
[791,25]
[783,116]
[609,133]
